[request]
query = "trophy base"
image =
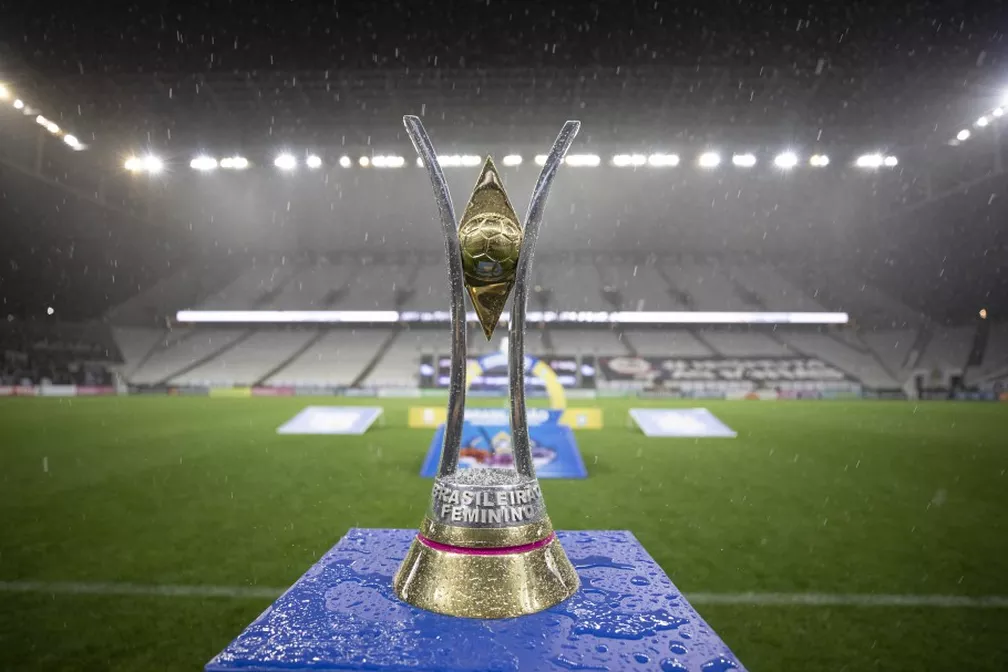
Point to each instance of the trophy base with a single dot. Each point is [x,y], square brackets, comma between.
[485,582]
[342,614]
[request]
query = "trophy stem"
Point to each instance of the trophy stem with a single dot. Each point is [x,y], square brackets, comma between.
[516,328]
[453,254]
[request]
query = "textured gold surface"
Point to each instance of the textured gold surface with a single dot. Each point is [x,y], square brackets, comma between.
[486,537]
[485,586]
[490,236]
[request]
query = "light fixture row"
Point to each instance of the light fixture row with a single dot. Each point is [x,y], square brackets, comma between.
[709,160]
[986,119]
[7,96]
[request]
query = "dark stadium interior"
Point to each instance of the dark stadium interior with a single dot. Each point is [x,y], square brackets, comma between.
[98,257]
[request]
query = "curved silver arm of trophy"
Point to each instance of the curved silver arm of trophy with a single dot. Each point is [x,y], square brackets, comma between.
[516,329]
[453,253]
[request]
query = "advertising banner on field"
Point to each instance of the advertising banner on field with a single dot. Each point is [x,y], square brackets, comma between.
[720,372]
[332,420]
[679,423]
[420,417]
[486,442]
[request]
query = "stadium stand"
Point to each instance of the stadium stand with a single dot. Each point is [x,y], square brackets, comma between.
[136,343]
[183,349]
[860,364]
[399,366]
[703,286]
[247,361]
[894,347]
[744,344]
[875,352]
[336,357]
[319,286]
[638,286]
[948,349]
[672,342]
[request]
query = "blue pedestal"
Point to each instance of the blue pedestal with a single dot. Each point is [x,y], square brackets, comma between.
[342,615]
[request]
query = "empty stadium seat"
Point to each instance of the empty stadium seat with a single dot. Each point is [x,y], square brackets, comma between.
[336,358]
[744,344]
[665,342]
[248,361]
[181,351]
[861,365]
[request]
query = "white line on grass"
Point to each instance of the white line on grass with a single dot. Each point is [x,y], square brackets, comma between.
[755,599]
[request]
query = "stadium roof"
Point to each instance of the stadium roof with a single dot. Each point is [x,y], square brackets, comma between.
[850,75]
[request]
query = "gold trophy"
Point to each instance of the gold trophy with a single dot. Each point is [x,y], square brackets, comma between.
[486,548]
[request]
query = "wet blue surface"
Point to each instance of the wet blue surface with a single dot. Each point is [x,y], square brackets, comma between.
[342,615]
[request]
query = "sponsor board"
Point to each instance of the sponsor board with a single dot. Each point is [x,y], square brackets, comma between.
[272,391]
[753,395]
[486,443]
[419,417]
[57,391]
[975,395]
[720,374]
[95,391]
[230,392]
[680,423]
[332,420]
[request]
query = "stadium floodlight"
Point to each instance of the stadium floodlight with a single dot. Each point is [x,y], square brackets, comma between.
[234,163]
[345,162]
[741,160]
[388,161]
[203,163]
[629,160]
[133,164]
[313,161]
[285,161]
[540,159]
[998,111]
[364,162]
[786,160]
[459,160]
[962,135]
[419,162]
[152,164]
[513,160]
[869,161]
[582,160]
[72,141]
[18,104]
[4,92]
[818,160]
[982,121]
[890,161]
[663,160]
[709,160]
[46,124]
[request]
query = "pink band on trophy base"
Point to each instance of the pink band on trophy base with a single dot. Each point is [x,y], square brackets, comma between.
[501,550]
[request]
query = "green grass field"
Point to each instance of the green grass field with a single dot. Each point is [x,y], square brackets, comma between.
[812,497]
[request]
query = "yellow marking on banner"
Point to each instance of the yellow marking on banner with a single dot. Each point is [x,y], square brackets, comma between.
[231,392]
[426,416]
[582,418]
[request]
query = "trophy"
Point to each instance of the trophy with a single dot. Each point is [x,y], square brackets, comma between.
[486,548]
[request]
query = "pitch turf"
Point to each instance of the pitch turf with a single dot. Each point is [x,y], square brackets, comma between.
[823,497]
